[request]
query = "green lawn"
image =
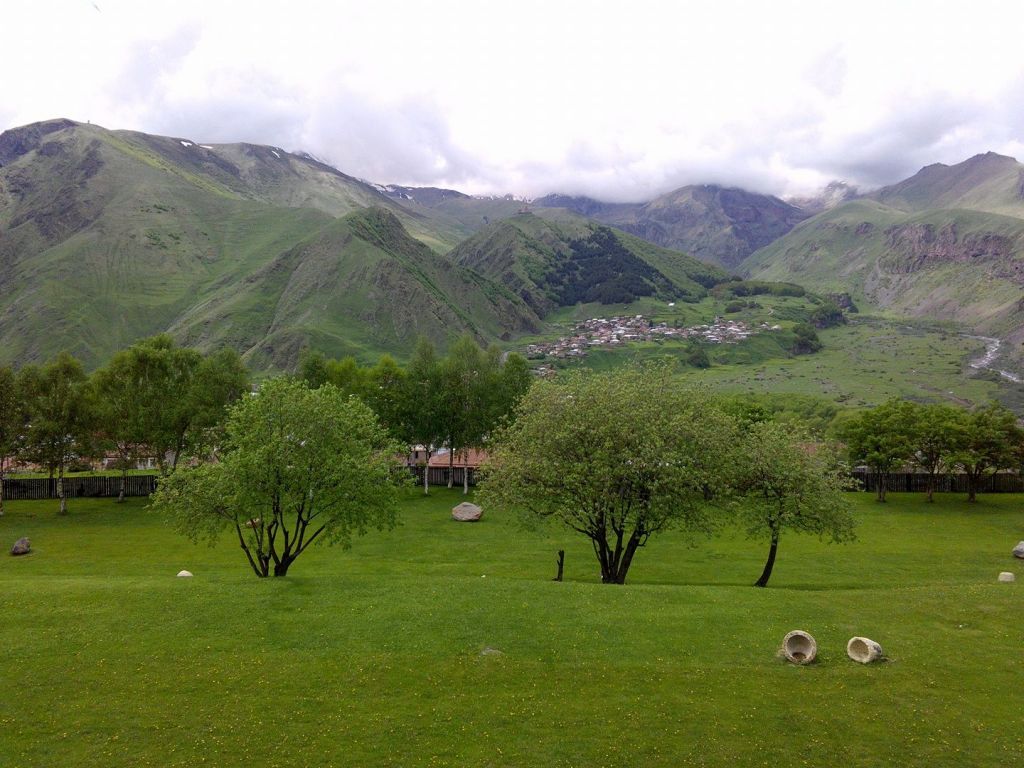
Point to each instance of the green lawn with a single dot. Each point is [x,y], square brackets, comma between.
[372,656]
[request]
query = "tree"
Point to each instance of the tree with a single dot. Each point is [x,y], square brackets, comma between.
[464,377]
[805,341]
[121,412]
[988,439]
[12,424]
[219,380]
[934,437]
[298,465]
[61,414]
[420,402]
[617,457]
[788,483]
[880,438]
[385,387]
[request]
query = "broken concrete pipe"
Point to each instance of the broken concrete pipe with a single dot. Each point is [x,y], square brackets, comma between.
[799,647]
[863,650]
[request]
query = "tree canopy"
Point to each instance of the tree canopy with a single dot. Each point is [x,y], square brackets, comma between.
[297,466]
[789,483]
[617,457]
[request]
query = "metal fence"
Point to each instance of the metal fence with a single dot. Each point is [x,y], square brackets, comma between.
[917,482]
[16,488]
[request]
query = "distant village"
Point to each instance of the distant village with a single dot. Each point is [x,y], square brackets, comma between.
[616,331]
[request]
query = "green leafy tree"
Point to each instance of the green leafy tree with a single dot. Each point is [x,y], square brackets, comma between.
[466,379]
[219,380]
[988,442]
[297,466]
[789,483]
[12,424]
[61,416]
[805,339]
[935,436]
[880,438]
[384,393]
[421,403]
[617,457]
[121,413]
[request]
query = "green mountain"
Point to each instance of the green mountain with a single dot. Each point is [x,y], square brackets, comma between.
[553,258]
[947,243]
[109,236]
[721,225]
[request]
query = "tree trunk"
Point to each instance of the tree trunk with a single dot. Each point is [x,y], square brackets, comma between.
[124,481]
[281,568]
[767,572]
[426,474]
[881,486]
[972,487]
[627,558]
[3,472]
[60,490]
[465,480]
[930,491]
[561,564]
[451,467]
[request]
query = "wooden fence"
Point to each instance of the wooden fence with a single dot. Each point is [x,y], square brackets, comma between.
[78,487]
[917,482]
[439,475]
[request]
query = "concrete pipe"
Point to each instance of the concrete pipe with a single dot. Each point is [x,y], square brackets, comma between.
[799,647]
[863,650]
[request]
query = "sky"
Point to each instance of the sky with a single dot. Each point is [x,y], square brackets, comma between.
[618,100]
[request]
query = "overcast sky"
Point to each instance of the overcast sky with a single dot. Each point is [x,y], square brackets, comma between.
[619,100]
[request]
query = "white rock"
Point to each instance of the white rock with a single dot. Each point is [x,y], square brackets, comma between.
[466,512]
[1018,551]
[1006,577]
[184,574]
[863,650]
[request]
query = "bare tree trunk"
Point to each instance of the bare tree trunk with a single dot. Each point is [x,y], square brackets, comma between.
[124,480]
[972,487]
[882,477]
[768,566]
[465,480]
[426,475]
[931,488]
[3,473]
[561,564]
[60,490]
[451,466]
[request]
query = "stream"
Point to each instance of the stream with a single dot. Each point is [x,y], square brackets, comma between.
[987,361]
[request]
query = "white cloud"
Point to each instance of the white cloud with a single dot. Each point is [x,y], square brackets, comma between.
[619,101]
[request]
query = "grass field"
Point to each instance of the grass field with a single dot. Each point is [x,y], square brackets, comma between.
[372,656]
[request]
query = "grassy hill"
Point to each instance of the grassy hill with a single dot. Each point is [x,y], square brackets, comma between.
[108,236]
[947,243]
[553,258]
[359,286]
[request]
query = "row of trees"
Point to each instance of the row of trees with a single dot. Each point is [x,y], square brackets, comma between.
[154,400]
[617,457]
[620,457]
[456,400]
[934,439]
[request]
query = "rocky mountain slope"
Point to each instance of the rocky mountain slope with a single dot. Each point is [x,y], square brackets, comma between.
[947,243]
[720,225]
